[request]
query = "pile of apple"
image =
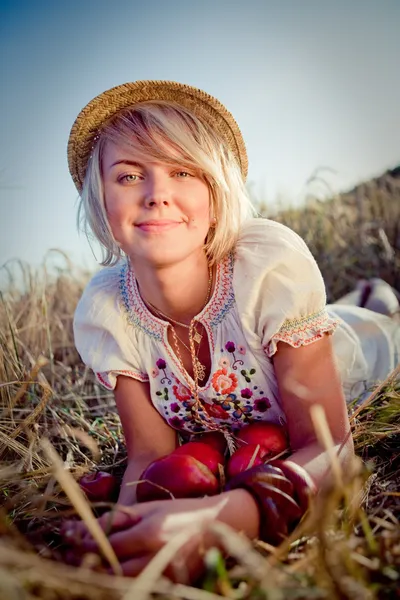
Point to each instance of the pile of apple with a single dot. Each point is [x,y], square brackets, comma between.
[198,468]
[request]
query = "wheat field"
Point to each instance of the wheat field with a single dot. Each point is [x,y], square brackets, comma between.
[57,423]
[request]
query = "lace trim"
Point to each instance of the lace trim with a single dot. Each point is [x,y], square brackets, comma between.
[301,332]
[109,378]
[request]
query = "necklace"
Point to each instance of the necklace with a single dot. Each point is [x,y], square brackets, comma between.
[194,335]
[197,338]
[199,369]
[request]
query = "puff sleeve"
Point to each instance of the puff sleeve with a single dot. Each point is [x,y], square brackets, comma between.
[102,334]
[279,288]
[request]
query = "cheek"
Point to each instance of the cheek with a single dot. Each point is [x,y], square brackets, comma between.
[116,209]
[201,209]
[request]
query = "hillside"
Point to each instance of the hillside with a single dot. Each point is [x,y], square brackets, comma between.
[355,234]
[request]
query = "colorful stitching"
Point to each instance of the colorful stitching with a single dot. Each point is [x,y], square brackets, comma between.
[105,376]
[304,331]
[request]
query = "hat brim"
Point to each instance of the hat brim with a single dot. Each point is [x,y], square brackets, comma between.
[103,107]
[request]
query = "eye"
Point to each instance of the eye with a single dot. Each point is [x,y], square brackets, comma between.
[129,178]
[184,174]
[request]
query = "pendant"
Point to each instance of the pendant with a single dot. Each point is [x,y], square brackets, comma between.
[201,370]
[197,337]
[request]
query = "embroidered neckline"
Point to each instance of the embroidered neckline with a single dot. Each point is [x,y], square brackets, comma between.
[220,303]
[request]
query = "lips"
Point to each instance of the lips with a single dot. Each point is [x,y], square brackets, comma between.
[158,225]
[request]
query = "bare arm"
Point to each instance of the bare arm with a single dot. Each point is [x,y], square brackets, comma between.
[147,435]
[307,376]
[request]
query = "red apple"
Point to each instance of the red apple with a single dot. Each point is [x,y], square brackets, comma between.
[209,456]
[180,475]
[271,437]
[241,460]
[99,486]
[303,484]
[216,439]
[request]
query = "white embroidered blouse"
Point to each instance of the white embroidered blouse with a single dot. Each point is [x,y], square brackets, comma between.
[269,290]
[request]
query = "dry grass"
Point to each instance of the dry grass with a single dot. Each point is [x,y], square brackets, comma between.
[348,548]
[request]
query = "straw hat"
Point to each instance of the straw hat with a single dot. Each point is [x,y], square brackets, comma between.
[103,107]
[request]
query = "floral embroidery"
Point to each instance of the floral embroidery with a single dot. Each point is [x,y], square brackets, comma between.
[181,392]
[233,408]
[242,411]
[224,363]
[231,348]
[216,411]
[163,394]
[162,365]
[231,396]
[247,374]
[262,404]
[230,408]
[176,422]
[224,383]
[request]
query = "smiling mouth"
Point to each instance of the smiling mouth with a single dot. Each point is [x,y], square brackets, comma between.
[158,226]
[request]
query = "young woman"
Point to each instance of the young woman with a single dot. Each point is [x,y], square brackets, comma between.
[205,317]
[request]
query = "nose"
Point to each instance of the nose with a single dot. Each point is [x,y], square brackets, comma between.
[157,192]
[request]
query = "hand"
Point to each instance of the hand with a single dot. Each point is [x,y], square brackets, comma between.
[282,490]
[137,533]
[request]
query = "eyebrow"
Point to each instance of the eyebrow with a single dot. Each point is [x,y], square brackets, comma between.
[125,161]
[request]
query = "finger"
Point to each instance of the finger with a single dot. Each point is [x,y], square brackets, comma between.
[267,473]
[118,519]
[77,533]
[130,542]
[183,571]
[73,532]
[72,557]
[304,486]
[274,528]
[288,507]
[134,566]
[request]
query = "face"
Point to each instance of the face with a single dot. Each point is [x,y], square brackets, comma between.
[158,213]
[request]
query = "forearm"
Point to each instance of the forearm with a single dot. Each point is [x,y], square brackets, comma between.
[133,471]
[317,462]
[239,510]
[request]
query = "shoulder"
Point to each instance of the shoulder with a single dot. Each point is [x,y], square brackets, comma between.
[100,297]
[105,281]
[267,237]
[278,286]
[265,247]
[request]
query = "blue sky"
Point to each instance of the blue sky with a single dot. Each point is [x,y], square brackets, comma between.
[311,83]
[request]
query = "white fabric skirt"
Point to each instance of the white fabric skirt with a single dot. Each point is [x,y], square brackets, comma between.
[366,343]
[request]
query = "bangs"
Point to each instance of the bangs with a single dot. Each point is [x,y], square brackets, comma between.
[169,133]
[159,131]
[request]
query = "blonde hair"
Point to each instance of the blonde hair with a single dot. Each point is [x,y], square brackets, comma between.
[145,128]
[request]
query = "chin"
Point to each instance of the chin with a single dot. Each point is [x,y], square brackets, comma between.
[163,257]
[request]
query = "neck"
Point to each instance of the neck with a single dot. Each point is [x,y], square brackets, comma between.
[178,290]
